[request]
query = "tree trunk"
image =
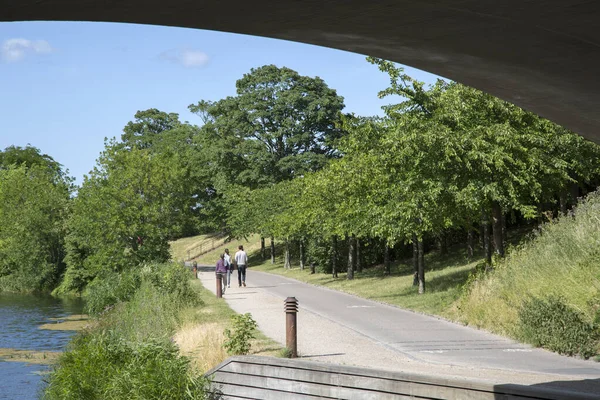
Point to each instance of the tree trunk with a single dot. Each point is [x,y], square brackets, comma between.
[487,245]
[334,256]
[504,231]
[562,201]
[287,262]
[470,239]
[481,236]
[272,250]
[421,267]
[443,244]
[351,241]
[386,259]
[263,251]
[301,254]
[415,260]
[497,228]
[574,189]
[358,263]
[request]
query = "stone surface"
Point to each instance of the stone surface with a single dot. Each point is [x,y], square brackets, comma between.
[542,55]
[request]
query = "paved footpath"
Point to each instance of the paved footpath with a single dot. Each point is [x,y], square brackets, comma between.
[344,329]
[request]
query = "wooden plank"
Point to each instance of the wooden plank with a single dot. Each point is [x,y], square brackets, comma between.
[381,385]
[336,381]
[289,387]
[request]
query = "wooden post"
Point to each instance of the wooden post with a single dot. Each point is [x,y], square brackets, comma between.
[291,331]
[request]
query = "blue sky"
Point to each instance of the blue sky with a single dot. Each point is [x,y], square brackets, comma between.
[64,87]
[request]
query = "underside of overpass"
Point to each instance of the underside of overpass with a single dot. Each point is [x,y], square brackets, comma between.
[541,55]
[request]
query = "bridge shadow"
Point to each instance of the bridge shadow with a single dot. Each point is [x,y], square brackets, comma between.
[578,389]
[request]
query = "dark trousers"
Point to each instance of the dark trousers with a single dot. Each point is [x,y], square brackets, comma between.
[241,274]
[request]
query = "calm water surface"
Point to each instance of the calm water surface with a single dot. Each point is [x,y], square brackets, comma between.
[20,318]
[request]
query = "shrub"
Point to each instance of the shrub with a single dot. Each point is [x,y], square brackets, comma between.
[171,278]
[104,366]
[238,340]
[109,289]
[150,313]
[552,324]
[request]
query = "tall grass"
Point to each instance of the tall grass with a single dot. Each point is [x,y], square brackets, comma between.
[129,353]
[562,260]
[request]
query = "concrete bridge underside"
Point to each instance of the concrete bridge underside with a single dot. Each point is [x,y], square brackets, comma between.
[541,55]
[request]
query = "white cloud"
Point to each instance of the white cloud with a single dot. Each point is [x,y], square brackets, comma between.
[16,49]
[187,58]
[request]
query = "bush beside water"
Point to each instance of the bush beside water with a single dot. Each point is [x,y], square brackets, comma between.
[129,353]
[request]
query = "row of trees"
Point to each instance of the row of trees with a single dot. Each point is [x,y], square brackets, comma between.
[281,159]
[445,158]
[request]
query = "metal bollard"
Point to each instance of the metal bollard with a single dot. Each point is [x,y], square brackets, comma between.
[219,286]
[291,334]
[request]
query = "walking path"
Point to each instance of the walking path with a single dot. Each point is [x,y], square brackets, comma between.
[344,329]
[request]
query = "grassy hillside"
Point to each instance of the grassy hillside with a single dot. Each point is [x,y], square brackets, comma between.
[193,247]
[558,270]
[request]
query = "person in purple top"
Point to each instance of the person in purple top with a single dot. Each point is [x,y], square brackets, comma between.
[221,269]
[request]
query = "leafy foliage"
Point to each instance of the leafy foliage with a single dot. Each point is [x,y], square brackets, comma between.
[104,366]
[33,209]
[552,324]
[278,126]
[237,340]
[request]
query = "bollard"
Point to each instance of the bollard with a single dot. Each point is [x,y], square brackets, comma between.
[219,286]
[291,333]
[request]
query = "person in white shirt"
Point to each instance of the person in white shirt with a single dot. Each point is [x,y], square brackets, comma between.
[229,266]
[241,260]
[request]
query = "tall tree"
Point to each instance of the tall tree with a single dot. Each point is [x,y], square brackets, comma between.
[33,210]
[279,125]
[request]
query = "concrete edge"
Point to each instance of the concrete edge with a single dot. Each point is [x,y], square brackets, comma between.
[471,384]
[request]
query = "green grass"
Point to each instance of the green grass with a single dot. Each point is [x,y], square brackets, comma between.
[562,260]
[129,352]
[251,245]
[444,279]
[191,246]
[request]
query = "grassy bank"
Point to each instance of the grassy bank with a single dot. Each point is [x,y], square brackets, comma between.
[546,291]
[156,343]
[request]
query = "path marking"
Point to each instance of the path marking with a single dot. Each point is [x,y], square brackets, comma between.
[360,306]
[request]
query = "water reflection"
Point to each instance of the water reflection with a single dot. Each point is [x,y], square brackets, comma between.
[20,318]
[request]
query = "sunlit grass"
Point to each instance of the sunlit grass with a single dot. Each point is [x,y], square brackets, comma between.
[201,336]
[191,246]
[444,279]
[563,260]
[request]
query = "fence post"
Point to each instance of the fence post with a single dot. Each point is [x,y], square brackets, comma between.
[291,331]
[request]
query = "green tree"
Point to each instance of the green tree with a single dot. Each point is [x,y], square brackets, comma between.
[30,156]
[124,214]
[33,209]
[279,125]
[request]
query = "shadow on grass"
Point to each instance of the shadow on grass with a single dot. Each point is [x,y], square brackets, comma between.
[446,282]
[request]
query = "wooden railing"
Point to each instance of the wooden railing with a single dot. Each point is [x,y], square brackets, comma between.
[204,247]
